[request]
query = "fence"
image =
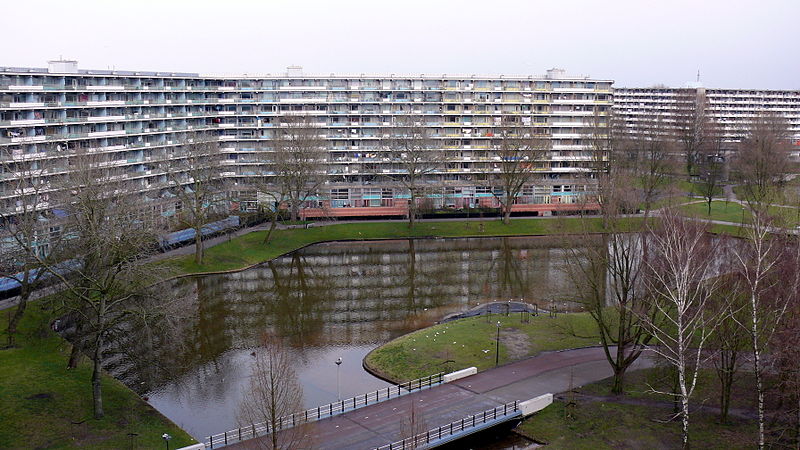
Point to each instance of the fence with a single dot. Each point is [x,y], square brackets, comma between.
[321,412]
[423,439]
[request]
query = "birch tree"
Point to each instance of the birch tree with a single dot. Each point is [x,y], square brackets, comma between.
[680,280]
[760,167]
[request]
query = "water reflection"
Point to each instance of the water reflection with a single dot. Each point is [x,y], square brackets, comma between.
[325,301]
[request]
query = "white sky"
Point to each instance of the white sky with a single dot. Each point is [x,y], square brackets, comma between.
[734,43]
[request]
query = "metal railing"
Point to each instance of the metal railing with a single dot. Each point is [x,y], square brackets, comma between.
[436,434]
[321,412]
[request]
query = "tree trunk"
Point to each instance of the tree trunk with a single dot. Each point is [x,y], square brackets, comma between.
[77,346]
[726,371]
[619,378]
[412,211]
[97,390]
[17,317]
[272,225]
[198,245]
[507,214]
[759,383]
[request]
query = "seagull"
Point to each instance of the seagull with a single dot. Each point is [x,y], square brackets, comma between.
[486,351]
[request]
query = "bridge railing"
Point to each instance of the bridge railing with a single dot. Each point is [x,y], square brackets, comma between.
[321,412]
[436,434]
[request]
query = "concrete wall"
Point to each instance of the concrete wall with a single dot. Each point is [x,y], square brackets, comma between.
[537,404]
[457,375]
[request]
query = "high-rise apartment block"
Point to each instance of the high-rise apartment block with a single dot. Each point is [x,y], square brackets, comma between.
[134,119]
[731,110]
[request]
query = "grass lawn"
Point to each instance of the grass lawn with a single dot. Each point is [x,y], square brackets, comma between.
[695,188]
[44,405]
[607,425]
[248,249]
[706,392]
[720,210]
[471,342]
[735,212]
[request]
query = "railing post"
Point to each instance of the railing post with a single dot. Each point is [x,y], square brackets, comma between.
[240,434]
[317,412]
[211,441]
[505,409]
[254,429]
[226,438]
[341,406]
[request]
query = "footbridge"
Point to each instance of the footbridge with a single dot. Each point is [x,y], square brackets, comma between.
[430,411]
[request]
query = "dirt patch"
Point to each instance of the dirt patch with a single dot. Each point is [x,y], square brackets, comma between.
[516,342]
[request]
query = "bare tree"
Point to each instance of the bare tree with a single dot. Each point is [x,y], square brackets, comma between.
[105,253]
[413,425]
[730,340]
[760,259]
[690,127]
[520,149]
[762,161]
[417,155]
[608,276]
[760,167]
[646,155]
[786,347]
[710,163]
[28,232]
[608,279]
[194,174]
[680,280]
[299,160]
[274,392]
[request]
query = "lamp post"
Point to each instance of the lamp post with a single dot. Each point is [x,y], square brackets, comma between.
[166,437]
[338,389]
[497,347]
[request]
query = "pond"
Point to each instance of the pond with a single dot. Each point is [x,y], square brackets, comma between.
[326,301]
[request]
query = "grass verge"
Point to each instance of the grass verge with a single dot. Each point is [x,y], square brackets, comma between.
[248,249]
[471,342]
[44,405]
[608,425]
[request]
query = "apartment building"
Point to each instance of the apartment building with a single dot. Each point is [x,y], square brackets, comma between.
[135,119]
[731,109]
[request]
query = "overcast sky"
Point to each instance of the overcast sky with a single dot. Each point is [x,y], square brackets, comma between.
[748,44]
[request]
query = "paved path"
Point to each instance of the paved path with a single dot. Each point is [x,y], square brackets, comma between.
[382,423]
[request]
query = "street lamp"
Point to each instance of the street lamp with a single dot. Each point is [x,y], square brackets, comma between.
[497,347]
[338,389]
[166,437]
